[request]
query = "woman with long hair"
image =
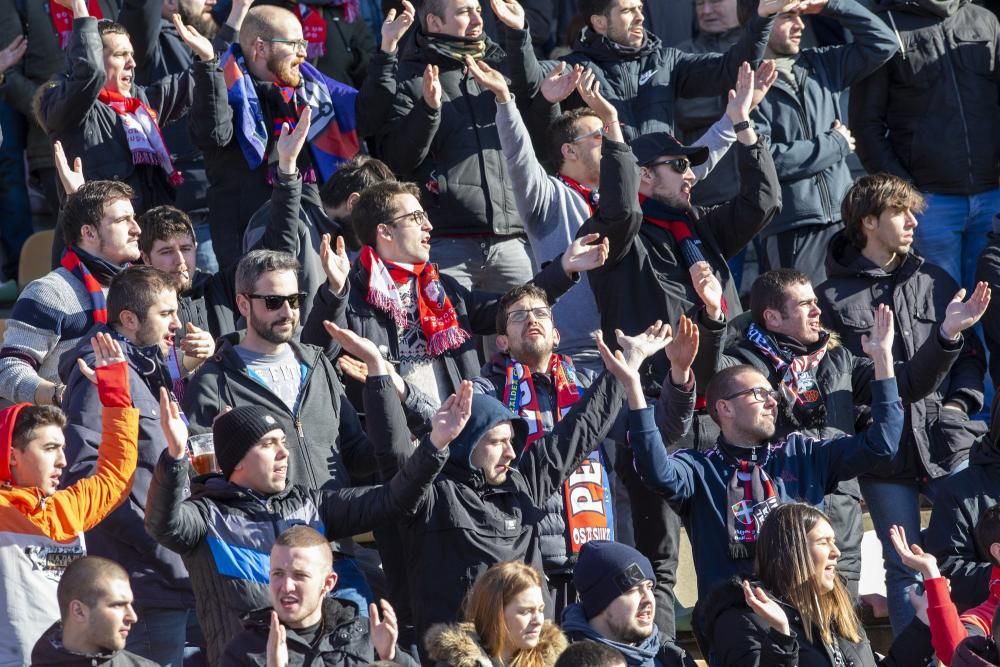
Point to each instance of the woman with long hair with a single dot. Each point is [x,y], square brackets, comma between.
[504,624]
[799,611]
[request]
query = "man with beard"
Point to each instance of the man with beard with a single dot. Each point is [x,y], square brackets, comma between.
[237,118]
[54,312]
[617,606]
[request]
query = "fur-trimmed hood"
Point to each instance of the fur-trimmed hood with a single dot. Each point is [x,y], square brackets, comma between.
[458,645]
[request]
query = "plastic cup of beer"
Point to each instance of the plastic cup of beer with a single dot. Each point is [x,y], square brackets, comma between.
[202,448]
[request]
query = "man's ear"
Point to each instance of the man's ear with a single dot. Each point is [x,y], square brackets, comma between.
[129,320]
[503,344]
[556,337]
[243,304]
[352,199]
[330,583]
[772,318]
[599,22]
[995,553]
[568,151]
[869,222]
[434,23]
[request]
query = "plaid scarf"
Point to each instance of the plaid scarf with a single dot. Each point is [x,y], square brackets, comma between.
[457,48]
[143,133]
[62,19]
[586,492]
[438,320]
[72,263]
[333,136]
[751,497]
[799,386]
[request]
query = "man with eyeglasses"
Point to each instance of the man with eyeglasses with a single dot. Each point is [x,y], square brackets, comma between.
[724,495]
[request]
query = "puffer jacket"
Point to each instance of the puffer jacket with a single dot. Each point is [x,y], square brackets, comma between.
[459,646]
[935,440]
[809,155]
[50,651]
[650,652]
[225,532]
[940,89]
[345,641]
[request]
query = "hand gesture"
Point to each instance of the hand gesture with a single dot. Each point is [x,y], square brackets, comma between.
[771,7]
[13,52]
[878,342]
[432,87]
[198,343]
[959,316]
[641,346]
[290,142]
[766,608]
[764,77]
[107,351]
[489,79]
[71,179]
[912,555]
[394,27]
[78,7]
[807,7]
[583,254]
[708,288]
[589,88]
[385,632]
[509,12]
[277,648]
[682,350]
[741,98]
[197,42]
[335,263]
[452,416]
[175,431]
[353,368]
[561,82]
[362,348]
[615,362]
[842,130]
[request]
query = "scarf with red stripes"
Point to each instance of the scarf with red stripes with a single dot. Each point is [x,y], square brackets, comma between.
[751,498]
[62,19]
[143,133]
[72,263]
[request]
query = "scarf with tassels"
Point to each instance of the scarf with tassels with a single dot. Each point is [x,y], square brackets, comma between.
[143,133]
[799,386]
[438,320]
[62,19]
[751,497]
[99,304]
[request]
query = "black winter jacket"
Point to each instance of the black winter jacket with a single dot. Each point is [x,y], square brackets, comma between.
[345,641]
[939,90]
[935,440]
[646,264]
[988,269]
[210,304]
[809,155]
[50,651]
[739,638]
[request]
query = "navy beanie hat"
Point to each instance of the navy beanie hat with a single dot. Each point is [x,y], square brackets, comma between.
[236,431]
[605,570]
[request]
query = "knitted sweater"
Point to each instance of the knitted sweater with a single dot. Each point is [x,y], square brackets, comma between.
[50,316]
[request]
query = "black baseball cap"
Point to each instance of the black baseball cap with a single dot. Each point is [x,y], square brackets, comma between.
[650,146]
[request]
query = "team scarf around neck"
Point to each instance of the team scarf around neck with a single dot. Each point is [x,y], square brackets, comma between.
[586,492]
[143,133]
[799,386]
[333,136]
[62,19]
[456,48]
[590,196]
[438,320]
[98,303]
[751,497]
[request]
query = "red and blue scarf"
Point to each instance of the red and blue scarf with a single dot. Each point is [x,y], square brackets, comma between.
[72,263]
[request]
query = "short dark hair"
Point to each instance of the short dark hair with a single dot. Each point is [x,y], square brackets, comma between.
[563,130]
[589,653]
[32,417]
[86,207]
[871,195]
[988,531]
[162,223]
[85,579]
[256,263]
[770,290]
[109,27]
[746,10]
[589,8]
[136,289]
[375,207]
[435,7]
[361,172]
[722,384]
[507,300]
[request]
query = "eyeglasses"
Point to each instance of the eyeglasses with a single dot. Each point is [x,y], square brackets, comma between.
[759,394]
[297,44]
[679,164]
[274,301]
[521,316]
[416,218]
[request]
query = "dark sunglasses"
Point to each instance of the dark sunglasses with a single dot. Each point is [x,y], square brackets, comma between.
[680,164]
[274,301]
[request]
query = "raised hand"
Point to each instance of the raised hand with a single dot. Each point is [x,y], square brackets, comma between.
[561,82]
[489,78]
[197,42]
[197,343]
[708,288]
[912,555]
[78,7]
[290,142]
[362,348]
[584,255]
[71,179]
[877,343]
[682,350]
[175,431]
[277,646]
[959,315]
[11,54]
[763,78]
[384,632]
[509,12]
[741,98]
[107,351]
[452,416]
[336,264]
[394,27]
[432,87]
[807,7]
[842,130]
[643,345]
[772,7]
[353,368]
[766,608]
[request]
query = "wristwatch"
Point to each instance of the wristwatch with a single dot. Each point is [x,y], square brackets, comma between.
[742,125]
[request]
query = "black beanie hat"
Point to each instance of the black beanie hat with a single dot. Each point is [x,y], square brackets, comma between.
[605,570]
[236,431]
